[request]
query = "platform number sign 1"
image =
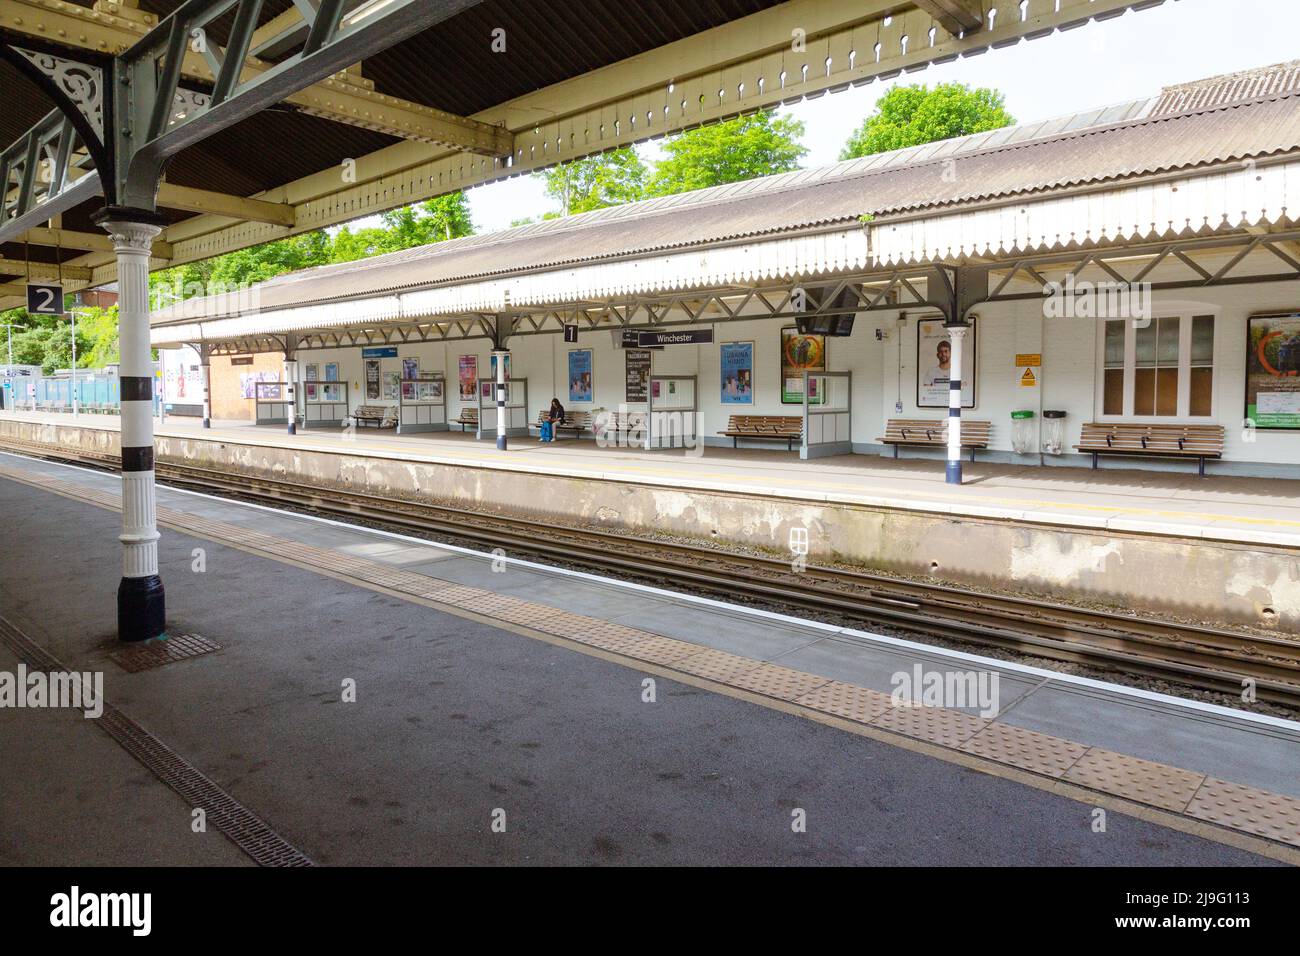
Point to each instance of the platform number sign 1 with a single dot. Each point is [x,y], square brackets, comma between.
[44,299]
[571,333]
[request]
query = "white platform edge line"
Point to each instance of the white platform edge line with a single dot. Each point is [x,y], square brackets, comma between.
[830,629]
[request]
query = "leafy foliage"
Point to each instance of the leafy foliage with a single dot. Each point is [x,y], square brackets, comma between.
[595,182]
[743,148]
[912,115]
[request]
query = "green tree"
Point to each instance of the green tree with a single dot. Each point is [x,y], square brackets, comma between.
[446,217]
[247,266]
[98,328]
[912,115]
[743,148]
[595,182]
[29,345]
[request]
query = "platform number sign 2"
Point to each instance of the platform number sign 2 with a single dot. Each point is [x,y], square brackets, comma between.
[44,299]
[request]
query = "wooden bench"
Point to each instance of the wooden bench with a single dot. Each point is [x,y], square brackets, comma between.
[468,417]
[381,416]
[619,423]
[933,433]
[1168,440]
[786,428]
[576,422]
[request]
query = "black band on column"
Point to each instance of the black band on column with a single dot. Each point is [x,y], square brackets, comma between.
[137,388]
[137,459]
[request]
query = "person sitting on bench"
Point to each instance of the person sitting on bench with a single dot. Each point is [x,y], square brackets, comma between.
[554,417]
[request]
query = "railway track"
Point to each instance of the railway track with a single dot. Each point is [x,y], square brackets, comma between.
[1203,657]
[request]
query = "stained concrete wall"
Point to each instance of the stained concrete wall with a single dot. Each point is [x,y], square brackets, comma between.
[1205,580]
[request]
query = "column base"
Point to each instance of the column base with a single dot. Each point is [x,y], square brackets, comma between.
[293,428]
[953,474]
[207,423]
[501,443]
[141,609]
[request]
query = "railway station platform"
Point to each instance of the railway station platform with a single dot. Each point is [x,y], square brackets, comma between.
[333,694]
[1218,549]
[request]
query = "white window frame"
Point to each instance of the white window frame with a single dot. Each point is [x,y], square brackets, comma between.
[1185,317]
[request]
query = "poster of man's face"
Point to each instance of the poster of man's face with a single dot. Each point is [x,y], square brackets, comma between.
[934,365]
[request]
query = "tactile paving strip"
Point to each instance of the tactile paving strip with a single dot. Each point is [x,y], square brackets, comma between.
[948,728]
[1142,780]
[1026,749]
[718,665]
[846,700]
[1271,815]
[169,650]
[773,680]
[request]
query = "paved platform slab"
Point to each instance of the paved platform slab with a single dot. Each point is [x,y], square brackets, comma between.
[459,714]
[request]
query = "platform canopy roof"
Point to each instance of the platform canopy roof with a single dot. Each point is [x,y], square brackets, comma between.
[1221,156]
[474,92]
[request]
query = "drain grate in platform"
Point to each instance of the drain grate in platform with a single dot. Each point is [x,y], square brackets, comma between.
[253,835]
[151,654]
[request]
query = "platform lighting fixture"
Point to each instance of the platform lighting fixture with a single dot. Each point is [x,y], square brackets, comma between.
[365,11]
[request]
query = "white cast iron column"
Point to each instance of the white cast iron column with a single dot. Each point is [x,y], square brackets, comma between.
[141,607]
[205,366]
[501,399]
[958,335]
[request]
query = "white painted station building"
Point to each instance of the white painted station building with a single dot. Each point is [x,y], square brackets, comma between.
[1181,208]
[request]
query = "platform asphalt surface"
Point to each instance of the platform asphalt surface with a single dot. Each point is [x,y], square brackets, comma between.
[454,721]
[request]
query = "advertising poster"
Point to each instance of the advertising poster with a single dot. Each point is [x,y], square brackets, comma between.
[638,374]
[933,361]
[182,381]
[268,391]
[332,393]
[372,378]
[737,373]
[581,387]
[312,372]
[311,391]
[248,383]
[494,368]
[799,354]
[410,369]
[467,369]
[410,392]
[331,371]
[1273,371]
[392,386]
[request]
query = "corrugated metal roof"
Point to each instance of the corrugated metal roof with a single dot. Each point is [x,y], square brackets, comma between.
[1229,88]
[1098,146]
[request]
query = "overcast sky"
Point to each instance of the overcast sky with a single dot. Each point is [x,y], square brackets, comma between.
[1124,59]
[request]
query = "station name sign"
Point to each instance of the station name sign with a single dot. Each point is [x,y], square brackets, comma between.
[383,351]
[691,337]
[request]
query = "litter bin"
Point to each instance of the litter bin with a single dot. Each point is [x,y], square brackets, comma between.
[1053,431]
[1022,432]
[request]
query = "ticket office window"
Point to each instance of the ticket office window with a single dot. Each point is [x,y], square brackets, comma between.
[1161,369]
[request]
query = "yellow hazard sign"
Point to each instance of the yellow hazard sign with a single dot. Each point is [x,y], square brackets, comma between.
[1028,379]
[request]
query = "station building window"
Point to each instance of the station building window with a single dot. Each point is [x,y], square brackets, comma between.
[1161,369]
